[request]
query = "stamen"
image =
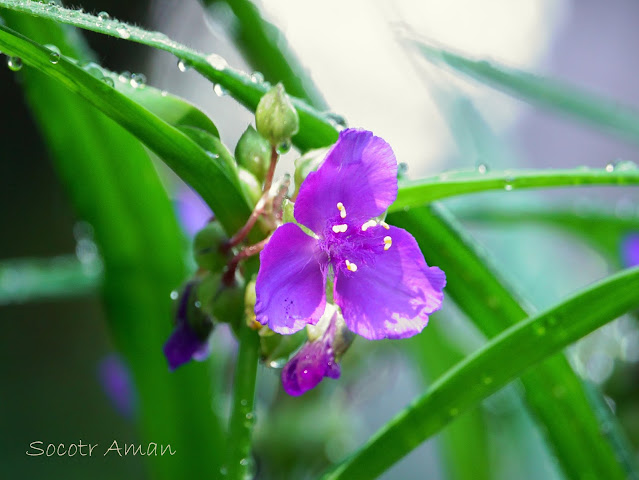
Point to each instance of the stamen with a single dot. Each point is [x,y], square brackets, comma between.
[340,228]
[369,224]
[385,225]
[342,210]
[351,266]
[388,241]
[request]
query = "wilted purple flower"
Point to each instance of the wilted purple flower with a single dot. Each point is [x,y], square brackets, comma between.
[381,281]
[185,343]
[311,364]
[116,382]
[630,250]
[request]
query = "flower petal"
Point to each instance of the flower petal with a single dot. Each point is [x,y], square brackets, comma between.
[392,295]
[290,284]
[360,172]
[630,250]
[183,345]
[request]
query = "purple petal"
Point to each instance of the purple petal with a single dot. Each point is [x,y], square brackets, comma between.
[311,364]
[183,345]
[290,284]
[117,384]
[392,295]
[630,250]
[360,172]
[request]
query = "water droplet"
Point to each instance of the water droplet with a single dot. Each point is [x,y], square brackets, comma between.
[219,90]
[244,462]
[14,63]
[250,416]
[123,31]
[257,77]
[214,156]
[109,81]
[277,363]
[508,182]
[94,70]
[482,168]
[625,165]
[138,80]
[402,169]
[183,65]
[224,471]
[54,57]
[174,295]
[610,167]
[337,119]
[103,16]
[125,77]
[244,402]
[164,93]
[283,147]
[216,62]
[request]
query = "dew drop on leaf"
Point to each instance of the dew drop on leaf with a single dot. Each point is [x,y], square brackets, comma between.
[14,63]
[257,77]
[283,148]
[109,81]
[219,90]
[54,57]
[103,16]
[183,65]
[482,168]
[138,80]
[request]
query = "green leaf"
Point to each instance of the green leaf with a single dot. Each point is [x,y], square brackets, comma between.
[238,84]
[114,186]
[553,392]
[564,98]
[418,192]
[603,229]
[28,280]
[483,373]
[177,150]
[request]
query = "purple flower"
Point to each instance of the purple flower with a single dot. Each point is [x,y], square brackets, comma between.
[185,343]
[311,364]
[116,382]
[381,282]
[630,250]
[191,210]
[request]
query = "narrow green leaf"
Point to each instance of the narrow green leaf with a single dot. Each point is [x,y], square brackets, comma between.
[238,84]
[546,92]
[553,392]
[418,192]
[177,150]
[114,186]
[483,373]
[32,279]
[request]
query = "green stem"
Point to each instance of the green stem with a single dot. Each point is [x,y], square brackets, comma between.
[238,458]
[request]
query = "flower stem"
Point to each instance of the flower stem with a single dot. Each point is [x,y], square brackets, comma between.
[259,207]
[229,274]
[239,461]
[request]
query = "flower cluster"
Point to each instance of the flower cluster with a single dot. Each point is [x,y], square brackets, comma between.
[378,275]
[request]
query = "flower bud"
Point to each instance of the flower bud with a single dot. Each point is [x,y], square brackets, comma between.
[253,152]
[251,187]
[189,339]
[207,247]
[275,117]
[224,303]
[307,163]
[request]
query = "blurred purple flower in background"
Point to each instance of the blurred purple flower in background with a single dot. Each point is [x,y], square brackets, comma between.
[381,280]
[630,250]
[117,383]
[185,343]
[193,213]
[314,361]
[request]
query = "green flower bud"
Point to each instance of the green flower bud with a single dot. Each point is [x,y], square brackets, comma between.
[250,185]
[223,303]
[307,163]
[276,117]
[253,152]
[207,247]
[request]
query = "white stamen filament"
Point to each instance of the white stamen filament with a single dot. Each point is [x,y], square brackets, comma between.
[369,224]
[385,225]
[351,266]
[388,241]
[342,210]
[340,228]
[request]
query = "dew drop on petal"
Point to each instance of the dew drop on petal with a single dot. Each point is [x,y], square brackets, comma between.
[14,63]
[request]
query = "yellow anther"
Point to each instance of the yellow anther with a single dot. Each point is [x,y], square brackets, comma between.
[388,241]
[351,266]
[342,210]
[385,225]
[340,228]
[369,224]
